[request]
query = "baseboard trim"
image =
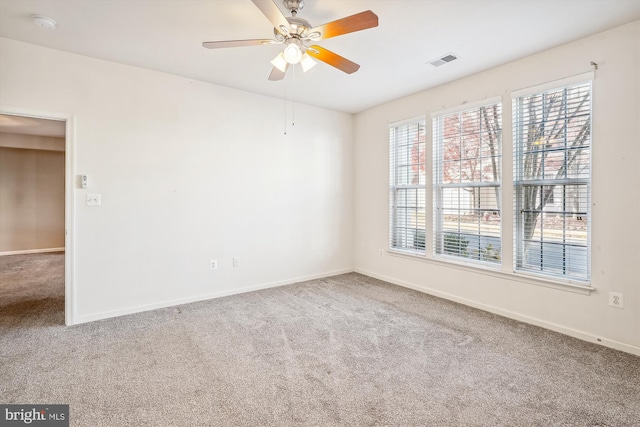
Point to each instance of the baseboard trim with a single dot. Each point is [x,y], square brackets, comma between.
[509,314]
[163,304]
[32,251]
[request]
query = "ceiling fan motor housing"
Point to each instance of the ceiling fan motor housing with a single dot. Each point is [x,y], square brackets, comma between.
[298,25]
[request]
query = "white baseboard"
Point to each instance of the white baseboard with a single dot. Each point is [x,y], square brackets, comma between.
[138,309]
[32,251]
[511,315]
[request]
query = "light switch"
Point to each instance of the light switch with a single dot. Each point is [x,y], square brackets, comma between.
[94,200]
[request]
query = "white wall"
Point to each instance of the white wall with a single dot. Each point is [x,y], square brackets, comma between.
[31,194]
[615,196]
[188,172]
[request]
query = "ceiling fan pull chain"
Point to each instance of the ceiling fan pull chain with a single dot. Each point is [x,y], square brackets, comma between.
[285,108]
[293,104]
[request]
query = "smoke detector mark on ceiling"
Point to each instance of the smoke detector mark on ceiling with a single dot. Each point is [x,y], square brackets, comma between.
[44,22]
[444,59]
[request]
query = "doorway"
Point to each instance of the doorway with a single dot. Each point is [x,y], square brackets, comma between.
[36,193]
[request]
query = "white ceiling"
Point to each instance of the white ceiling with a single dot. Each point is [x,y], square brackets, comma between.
[166,35]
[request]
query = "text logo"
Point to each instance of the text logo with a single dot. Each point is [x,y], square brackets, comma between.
[34,415]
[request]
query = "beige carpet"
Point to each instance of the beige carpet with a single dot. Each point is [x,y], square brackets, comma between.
[342,351]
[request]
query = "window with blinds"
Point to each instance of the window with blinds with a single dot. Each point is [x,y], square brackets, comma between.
[552,179]
[467,176]
[407,186]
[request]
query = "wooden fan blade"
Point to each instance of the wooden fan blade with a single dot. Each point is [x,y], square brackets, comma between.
[276,74]
[357,22]
[333,59]
[272,12]
[236,43]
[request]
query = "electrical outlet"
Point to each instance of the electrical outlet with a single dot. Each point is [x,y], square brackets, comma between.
[616,299]
[213,264]
[381,252]
[236,261]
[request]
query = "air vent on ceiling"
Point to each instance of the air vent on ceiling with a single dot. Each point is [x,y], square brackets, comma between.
[444,59]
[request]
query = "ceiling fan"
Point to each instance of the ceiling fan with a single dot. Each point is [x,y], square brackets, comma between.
[296,34]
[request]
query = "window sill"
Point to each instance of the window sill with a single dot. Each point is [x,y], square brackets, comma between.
[488,271]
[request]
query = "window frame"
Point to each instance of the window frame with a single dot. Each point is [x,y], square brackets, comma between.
[519,183]
[395,187]
[437,142]
[507,270]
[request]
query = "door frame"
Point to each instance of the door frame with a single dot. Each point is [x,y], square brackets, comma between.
[69,198]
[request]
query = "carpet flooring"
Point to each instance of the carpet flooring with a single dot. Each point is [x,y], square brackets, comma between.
[347,350]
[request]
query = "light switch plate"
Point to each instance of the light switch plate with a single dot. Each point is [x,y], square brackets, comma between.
[94,200]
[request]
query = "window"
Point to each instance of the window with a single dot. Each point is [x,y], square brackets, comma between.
[467,190]
[407,186]
[552,178]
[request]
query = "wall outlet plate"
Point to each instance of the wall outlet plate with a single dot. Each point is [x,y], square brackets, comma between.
[616,299]
[236,261]
[213,264]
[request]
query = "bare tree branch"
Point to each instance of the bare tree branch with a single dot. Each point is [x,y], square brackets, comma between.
[538,147]
[493,140]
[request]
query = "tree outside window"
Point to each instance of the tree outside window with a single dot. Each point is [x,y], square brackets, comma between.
[552,138]
[467,190]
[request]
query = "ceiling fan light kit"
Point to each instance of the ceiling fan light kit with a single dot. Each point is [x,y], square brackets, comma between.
[296,34]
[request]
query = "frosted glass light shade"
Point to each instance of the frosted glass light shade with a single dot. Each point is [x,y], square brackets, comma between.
[292,53]
[307,62]
[279,62]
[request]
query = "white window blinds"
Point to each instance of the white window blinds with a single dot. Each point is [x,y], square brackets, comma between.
[407,186]
[467,175]
[552,178]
